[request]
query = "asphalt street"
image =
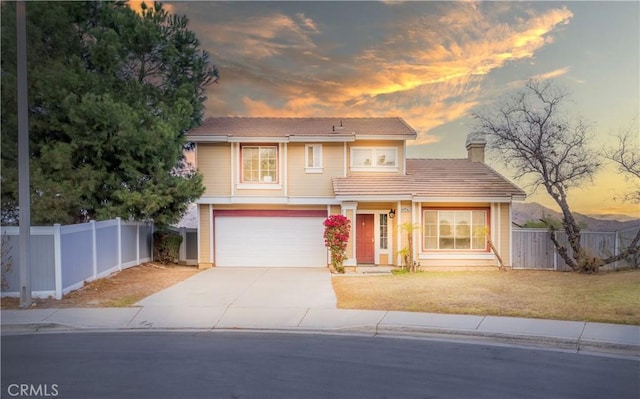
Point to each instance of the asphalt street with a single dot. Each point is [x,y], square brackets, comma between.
[155,364]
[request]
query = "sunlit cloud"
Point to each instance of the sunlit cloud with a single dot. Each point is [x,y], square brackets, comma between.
[428,68]
[552,74]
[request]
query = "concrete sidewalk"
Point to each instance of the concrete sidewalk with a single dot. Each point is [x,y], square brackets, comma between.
[304,301]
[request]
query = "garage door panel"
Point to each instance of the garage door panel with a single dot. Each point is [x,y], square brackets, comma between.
[269,242]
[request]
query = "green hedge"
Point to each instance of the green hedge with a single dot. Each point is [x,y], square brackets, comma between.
[166,246]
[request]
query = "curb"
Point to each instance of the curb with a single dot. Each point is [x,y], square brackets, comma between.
[464,336]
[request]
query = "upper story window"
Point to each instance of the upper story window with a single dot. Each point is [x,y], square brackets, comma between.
[259,164]
[367,159]
[313,158]
[446,229]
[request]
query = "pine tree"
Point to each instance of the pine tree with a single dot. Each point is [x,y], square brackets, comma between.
[111,93]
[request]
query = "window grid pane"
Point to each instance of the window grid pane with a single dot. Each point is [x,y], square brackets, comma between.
[259,164]
[362,156]
[454,229]
[383,231]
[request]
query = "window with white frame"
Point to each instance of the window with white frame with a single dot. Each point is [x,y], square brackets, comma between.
[313,158]
[259,164]
[374,158]
[384,231]
[459,229]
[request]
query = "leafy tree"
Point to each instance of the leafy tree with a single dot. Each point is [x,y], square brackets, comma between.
[111,93]
[536,139]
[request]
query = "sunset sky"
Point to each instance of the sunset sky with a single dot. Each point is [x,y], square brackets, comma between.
[431,63]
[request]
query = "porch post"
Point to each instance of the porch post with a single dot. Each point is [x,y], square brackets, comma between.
[349,210]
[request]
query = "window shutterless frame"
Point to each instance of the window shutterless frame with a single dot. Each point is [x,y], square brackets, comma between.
[455,229]
[259,163]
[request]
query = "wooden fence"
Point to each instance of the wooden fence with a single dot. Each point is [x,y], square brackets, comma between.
[533,249]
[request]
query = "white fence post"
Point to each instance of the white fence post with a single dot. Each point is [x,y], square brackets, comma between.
[57,254]
[119,222]
[94,237]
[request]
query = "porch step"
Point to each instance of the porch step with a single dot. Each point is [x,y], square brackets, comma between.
[377,270]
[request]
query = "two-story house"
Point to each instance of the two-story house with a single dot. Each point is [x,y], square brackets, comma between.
[271,182]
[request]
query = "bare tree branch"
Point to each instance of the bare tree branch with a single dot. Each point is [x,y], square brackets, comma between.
[536,139]
[626,156]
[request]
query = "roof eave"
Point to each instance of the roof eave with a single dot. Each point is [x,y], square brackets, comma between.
[332,138]
[207,139]
[374,197]
[502,199]
[386,136]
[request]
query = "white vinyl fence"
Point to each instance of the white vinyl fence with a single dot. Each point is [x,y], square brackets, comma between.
[63,258]
[533,249]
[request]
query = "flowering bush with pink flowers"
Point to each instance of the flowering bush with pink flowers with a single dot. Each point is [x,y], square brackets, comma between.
[336,236]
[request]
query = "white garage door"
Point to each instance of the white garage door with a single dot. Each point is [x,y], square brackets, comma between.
[256,241]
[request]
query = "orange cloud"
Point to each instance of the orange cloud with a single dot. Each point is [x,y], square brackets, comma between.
[427,68]
[136,5]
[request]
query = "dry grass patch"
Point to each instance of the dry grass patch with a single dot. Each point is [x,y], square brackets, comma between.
[121,289]
[607,297]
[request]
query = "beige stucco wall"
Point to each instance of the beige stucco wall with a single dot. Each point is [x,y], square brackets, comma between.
[303,184]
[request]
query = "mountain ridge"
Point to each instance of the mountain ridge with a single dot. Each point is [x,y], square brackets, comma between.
[523,212]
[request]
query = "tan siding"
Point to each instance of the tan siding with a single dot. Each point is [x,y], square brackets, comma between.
[303,184]
[378,206]
[214,162]
[204,257]
[259,192]
[384,259]
[376,143]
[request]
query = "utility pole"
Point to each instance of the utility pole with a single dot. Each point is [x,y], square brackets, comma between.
[24,200]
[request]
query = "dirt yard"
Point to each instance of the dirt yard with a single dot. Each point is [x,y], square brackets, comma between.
[118,290]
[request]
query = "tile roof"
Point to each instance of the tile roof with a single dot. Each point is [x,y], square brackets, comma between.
[432,178]
[283,127]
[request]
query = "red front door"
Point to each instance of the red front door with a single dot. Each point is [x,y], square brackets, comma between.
[364,239]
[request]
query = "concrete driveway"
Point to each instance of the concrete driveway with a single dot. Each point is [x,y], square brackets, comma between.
[239,297]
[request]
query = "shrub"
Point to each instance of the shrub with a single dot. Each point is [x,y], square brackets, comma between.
[336,236]
[166,246]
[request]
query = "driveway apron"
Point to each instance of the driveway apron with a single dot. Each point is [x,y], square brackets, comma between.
[239,298]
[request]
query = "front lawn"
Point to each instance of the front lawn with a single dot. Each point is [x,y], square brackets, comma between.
[607,297]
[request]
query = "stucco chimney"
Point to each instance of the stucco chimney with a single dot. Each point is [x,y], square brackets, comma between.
[475,147]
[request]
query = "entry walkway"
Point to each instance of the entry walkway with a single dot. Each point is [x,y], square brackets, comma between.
[303,300]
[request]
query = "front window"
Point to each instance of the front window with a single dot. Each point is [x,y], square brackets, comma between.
[455,229]
[370,158]
[259,164]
